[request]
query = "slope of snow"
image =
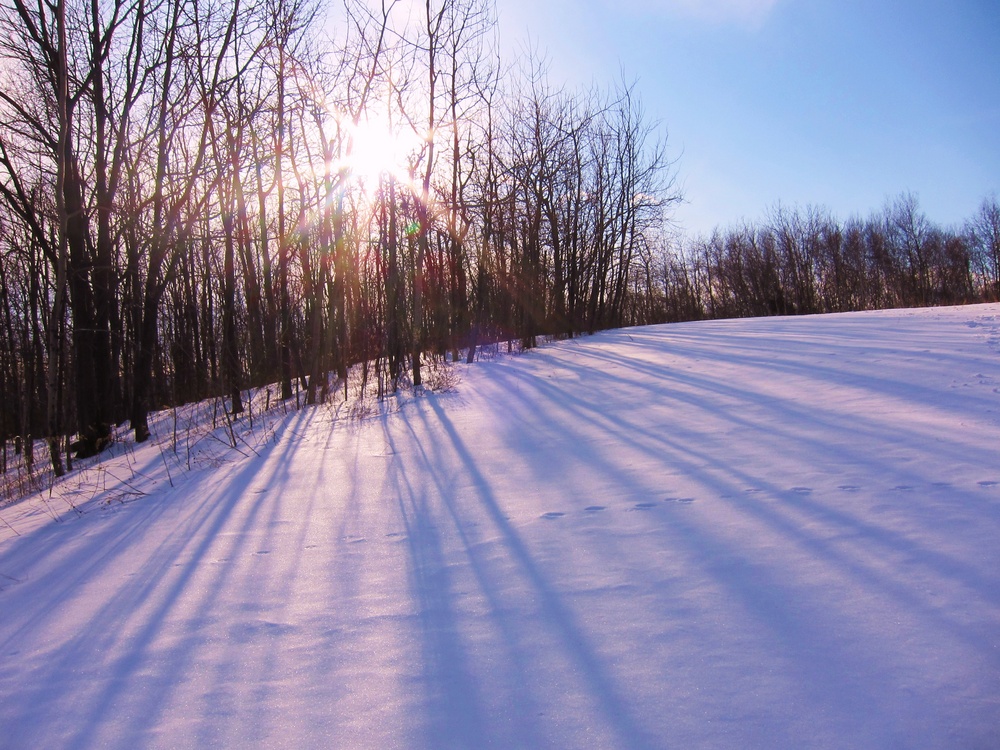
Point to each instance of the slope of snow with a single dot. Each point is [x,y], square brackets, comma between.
[745,534]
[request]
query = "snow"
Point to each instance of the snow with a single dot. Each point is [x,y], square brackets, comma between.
[739,534]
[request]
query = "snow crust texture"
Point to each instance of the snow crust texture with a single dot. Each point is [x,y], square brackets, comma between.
[739,534]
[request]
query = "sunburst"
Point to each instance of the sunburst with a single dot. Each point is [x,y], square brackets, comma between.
[376,149]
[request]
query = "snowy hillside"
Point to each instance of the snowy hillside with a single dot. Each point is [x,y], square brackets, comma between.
[772,533]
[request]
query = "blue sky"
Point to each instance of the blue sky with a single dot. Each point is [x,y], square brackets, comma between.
[836,103]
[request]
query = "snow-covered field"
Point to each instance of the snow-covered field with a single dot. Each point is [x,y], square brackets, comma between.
[775,533]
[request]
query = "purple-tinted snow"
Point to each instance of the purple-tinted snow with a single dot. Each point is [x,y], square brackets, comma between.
[743,534]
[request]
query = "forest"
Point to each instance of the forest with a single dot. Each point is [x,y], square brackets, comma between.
[198,197]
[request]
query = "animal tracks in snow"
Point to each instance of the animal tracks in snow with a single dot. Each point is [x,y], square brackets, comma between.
[649,506]
[670,499]
[789,494]
[353,539]
[644,505]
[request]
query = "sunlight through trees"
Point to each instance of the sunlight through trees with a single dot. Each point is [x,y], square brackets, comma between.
[200,197]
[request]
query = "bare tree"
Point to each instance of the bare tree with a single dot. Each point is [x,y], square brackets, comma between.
[983,231]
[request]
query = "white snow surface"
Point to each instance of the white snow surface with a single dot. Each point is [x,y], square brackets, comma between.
[767,533]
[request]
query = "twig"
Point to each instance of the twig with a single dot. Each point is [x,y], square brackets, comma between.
[229,425]
[55,517]
[7,524]
[244,441]
[71,505]
[135,489]
[169,478]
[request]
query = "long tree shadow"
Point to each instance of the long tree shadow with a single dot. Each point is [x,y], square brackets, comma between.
[116,643]
[801,523]
[454,701]
[682,446]
[432,587]
[558,617]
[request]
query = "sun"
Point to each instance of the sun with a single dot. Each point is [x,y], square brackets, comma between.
[376,149]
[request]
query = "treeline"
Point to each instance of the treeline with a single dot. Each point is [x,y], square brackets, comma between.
[199,197]
[190,203]
[806,261]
